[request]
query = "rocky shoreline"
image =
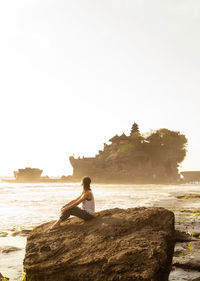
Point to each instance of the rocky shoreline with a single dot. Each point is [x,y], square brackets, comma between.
[186,257]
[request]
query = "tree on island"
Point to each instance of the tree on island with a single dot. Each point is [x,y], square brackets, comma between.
[163,149]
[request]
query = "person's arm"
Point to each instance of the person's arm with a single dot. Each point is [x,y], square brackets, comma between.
[71,202]
[76,202]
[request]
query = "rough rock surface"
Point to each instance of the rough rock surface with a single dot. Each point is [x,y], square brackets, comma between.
[186,255]
[134,244]
[23,232]
[3,234]
[180,236]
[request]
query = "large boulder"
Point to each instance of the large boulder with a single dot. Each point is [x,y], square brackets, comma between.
[134,244]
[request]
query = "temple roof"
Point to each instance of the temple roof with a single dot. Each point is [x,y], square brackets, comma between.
[117,138]
[123,137]
[114,139]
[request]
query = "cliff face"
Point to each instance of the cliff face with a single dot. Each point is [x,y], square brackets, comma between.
[123,167]
[133,244]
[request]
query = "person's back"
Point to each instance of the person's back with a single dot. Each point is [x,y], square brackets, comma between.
[89,205]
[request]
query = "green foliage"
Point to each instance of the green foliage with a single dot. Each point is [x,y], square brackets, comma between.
[188,196]
[3,278]
[189,246]
[125,147]
[195,234]
[24,277]
[162,148]
[166,146]
[197,211]
[154,147]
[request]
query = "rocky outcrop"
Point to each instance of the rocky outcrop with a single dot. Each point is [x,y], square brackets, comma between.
[134,244]
[28,175]
[23,232]
[186,255]
[8,249]
[153,157]
[180,236]
[121,168]
[3,278]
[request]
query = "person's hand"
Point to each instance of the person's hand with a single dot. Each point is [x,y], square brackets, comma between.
[63,209]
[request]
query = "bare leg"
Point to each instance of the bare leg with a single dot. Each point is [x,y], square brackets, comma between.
[56,224]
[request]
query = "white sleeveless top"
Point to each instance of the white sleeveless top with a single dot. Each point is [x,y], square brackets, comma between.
[89,205]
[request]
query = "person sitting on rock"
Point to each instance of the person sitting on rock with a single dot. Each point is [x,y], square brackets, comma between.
[88,205]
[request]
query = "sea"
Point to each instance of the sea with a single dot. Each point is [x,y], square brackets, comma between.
[24,206]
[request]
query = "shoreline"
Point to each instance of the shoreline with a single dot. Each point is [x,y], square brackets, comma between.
[77,180]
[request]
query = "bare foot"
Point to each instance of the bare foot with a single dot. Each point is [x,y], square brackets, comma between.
[55,226]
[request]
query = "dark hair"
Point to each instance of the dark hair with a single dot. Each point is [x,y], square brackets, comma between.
[86,183]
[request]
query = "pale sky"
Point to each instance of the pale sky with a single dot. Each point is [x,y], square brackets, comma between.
[75,73]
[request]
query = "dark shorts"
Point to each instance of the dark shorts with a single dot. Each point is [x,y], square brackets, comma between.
[77,212]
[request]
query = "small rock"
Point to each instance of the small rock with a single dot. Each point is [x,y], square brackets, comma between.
[3,234]
[189,258]
[196,234]
[188,196]
[188,265]
[3,278]
[180,236]
[24,232]
[8,249]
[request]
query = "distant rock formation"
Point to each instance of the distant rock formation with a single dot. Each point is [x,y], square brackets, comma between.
[133,244]
[28,175]
[136,158]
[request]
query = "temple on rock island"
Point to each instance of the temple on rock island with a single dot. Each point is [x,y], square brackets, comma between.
[153,157]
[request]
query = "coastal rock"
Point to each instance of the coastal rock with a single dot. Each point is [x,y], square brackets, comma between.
[23,232]
[131,158]
[3,234]
[8,249]
[3,278]
[133,244]
[180,236]
[187,256]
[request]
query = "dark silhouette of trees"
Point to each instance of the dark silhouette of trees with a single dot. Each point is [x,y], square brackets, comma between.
[163,149]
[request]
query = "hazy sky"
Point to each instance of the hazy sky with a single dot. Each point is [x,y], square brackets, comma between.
[75,73]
